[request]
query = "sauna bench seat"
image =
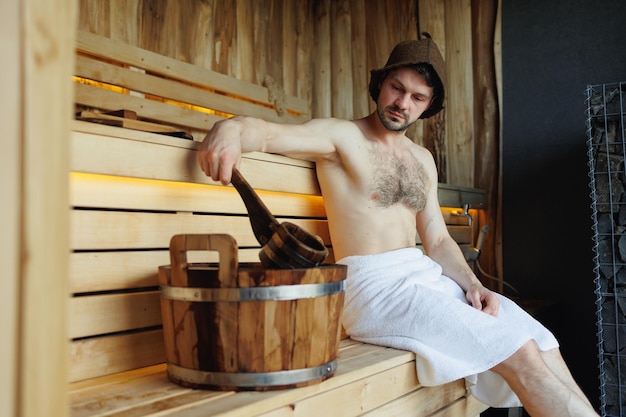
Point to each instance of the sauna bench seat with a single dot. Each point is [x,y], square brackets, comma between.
[370,380]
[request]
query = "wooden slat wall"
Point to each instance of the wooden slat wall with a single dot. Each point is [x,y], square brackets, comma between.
[126,210]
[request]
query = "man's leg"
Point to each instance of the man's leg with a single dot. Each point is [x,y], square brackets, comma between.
[557,365]
[541,392]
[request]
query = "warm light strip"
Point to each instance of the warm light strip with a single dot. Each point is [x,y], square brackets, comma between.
[141,191]
[99,84]
[118,89]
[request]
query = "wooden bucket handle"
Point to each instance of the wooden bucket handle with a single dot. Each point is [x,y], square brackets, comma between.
[224,244]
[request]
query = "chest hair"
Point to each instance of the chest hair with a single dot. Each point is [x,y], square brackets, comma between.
[398,180]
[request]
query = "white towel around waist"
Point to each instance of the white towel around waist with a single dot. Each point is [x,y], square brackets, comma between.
[400,299]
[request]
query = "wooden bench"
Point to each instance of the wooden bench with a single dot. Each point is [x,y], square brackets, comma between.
[131,190]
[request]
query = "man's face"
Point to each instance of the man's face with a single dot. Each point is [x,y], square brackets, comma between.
[403,97]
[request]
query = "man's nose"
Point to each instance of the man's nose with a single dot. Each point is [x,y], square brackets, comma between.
[402,101]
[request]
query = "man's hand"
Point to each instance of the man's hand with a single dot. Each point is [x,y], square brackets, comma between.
[483,299]
[220,151]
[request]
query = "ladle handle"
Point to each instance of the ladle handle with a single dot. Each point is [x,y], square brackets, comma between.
[263,223]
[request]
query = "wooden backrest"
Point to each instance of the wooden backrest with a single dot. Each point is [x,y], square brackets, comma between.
[121,226]
[132,190]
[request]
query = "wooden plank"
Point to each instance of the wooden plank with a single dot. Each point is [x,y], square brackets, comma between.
[105,191]
[378,44]
[11,159]
[423,402]
[113,132]
[223,30]
[245,404]
[321,105]
[431,15]
[464,407]
[289,44]
[173,90]
[459,92]
[136,403]
[159,157]
[92,358]
[101,314]
[305,43]
[107,271]
[487,123]
[116,270]
[141,58]
[359,397]
[126,392]
[103,99]
[271,43]
[245,41]
[126,122]
[46,59]
[84,387]
[341,90]
[100,230]
[360,72]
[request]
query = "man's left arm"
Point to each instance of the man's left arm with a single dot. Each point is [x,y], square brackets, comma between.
[440,247]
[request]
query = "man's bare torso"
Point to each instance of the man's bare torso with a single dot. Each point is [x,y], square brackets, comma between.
[372,193]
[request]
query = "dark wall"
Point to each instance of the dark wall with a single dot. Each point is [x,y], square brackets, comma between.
[551,51]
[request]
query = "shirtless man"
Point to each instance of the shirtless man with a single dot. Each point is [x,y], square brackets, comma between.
[379,187]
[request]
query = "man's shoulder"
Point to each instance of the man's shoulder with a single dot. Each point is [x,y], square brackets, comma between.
[336,129]
[333,122]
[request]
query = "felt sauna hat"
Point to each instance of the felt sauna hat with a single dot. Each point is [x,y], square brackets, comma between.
[411,52]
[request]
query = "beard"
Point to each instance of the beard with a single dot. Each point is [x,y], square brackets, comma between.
[391,123]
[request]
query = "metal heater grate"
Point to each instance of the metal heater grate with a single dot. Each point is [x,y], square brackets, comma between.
[606,106]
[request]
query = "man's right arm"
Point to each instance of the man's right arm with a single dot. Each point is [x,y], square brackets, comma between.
[223,145]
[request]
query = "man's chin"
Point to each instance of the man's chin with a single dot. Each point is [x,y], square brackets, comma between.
[395,126]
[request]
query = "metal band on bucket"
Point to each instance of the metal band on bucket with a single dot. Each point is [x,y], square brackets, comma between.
[252,379]
[274,293]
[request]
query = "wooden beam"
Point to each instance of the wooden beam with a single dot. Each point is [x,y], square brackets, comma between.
[460,107]
[90,358]
[341,90]
[487,126]
[47,56]
[10,172]
[321,104]
[431,16]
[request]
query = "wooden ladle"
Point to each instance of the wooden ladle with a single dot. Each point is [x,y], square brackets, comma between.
[284,245]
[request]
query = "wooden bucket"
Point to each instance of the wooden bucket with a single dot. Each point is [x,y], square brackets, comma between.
[231,326]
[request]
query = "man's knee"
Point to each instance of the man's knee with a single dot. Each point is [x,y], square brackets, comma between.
[526,359]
